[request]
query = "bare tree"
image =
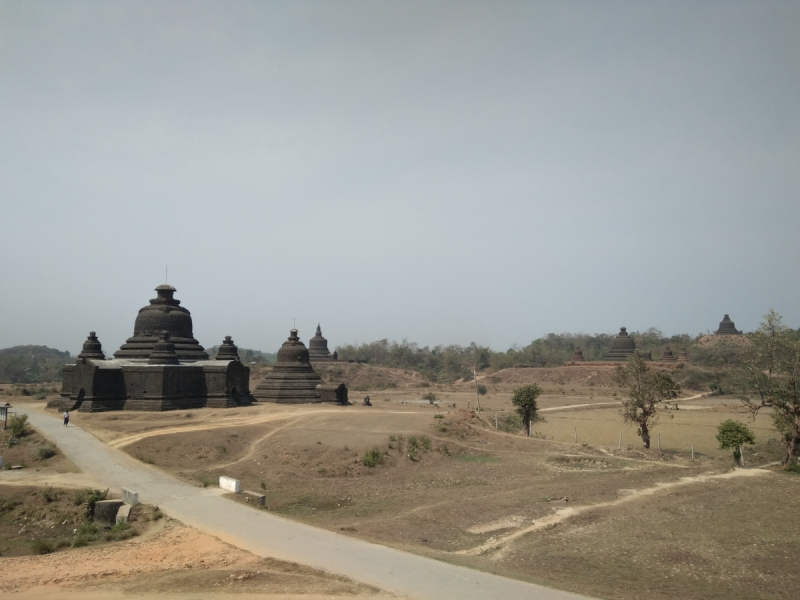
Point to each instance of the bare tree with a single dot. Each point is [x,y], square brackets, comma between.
[646,394]
[769,377]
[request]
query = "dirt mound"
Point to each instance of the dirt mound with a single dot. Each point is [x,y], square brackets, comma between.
[583,376]
[718,341]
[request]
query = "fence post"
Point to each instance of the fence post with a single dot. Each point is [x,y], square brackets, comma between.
[495,421]
[659,442]
[620,441]
[692,452]
[575,429]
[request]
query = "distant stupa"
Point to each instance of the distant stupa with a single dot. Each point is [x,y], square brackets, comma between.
[682,356]
[577,355]
[622,346]
[667,356]
[318,347]
[726,327]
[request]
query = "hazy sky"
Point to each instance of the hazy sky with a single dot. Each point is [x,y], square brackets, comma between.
[444,172]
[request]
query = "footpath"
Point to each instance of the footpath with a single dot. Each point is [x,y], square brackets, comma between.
[265,534]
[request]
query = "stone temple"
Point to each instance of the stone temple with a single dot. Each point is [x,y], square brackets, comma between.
[292,379]
[577,355]
[318,347]
[726,327]
[162,367]
[622,346]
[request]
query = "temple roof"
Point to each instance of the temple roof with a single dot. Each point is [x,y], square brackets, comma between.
[163,313]
[622,346]
[318,346]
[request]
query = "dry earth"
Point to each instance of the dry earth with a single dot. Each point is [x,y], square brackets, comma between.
[590,517]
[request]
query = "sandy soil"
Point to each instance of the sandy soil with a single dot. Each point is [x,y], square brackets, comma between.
[170,558]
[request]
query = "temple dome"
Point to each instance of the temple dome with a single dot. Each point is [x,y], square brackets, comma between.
[292,378]
[164,313]
[726,327]
[622,346]
[318,347]
[92,348]
[163,352]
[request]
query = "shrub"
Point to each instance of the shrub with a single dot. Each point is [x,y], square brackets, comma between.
[18,424]
[89,497]
[372,458]
[510,423]
[157,514]
[430,397]
[482,390]
[80,542]
[120,531]
[412,442]
[42,547]
[49,495]
[87,529]
[425,443]
[44,452]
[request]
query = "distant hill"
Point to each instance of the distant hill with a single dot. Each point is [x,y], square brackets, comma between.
[32,364]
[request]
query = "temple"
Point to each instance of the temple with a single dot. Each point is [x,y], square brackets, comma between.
[667,356]
[682,356]
[292,379]
[622,346]
[318,347]
[164,313]
[726,327]
[162,367]
[577,355]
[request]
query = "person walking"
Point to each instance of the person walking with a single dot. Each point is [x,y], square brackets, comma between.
[66,418]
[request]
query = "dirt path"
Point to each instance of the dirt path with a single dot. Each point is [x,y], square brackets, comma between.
[501,544]
[267,535]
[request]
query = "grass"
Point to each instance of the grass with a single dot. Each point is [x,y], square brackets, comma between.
[477,458]
[372,458]
[44,452]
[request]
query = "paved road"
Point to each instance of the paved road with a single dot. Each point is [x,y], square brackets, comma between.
[265,534]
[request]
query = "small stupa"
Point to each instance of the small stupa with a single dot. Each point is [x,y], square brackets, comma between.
[726,327]
[622,346]
[164,313]
[577,355]
[667,356]
[163,352]
[318,347]
[682,356]
[92,348]
[292,380]
[227,350]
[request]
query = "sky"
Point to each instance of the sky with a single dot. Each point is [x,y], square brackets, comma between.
[441,172]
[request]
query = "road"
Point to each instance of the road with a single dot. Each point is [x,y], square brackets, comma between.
[268,535]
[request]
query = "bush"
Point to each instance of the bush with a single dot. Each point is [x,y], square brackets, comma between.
[42,547]
[49,495]
[430,397]
[89,497]
[510,423]
[372,458]
[412,442]
[80,542]
[425,443]
[18,424]
[44,452]
[482,390]
[120,531]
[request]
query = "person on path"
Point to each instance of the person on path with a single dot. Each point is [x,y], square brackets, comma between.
[66,418]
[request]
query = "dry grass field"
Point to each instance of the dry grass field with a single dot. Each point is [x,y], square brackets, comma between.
[590,517]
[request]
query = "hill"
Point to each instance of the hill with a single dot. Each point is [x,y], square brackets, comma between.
[32,364]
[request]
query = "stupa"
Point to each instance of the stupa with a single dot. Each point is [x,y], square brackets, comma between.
[622,346]
[292,380]
[726,327]
[164,313]
[92,348]
[577,355]
[682,356]
[667,356]
[318,347]
[162,369]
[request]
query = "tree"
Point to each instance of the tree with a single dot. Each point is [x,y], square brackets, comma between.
[646,393]
[769,377]
[733,434]
[524,399]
